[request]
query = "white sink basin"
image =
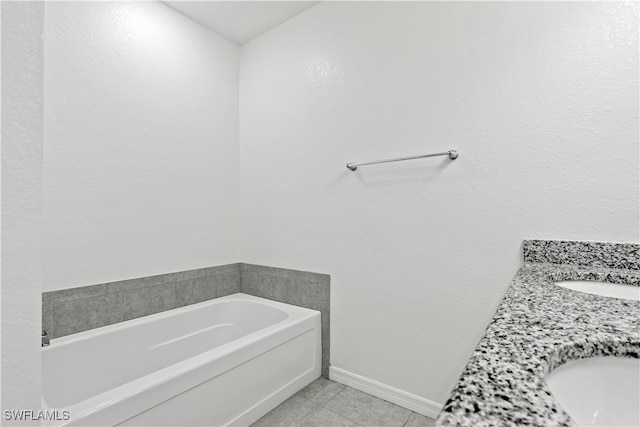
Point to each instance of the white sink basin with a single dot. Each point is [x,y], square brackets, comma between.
[599,391]
[615,290]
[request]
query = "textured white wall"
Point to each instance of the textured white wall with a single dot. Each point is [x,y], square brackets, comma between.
[22,118]
[141,143]
[540,99]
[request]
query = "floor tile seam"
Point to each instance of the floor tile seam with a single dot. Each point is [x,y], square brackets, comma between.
[324,403]
[408,418]
[340,415]
[316,409]
[356,422]
[405,423]
[303,398]
[344,387]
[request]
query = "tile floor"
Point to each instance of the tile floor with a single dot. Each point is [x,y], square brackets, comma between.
[325,403]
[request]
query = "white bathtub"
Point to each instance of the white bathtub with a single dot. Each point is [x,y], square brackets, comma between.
[227,361]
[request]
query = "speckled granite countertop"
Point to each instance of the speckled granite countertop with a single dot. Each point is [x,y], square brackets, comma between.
[538,326]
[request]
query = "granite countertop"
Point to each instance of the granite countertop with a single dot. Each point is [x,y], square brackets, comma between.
[538,326]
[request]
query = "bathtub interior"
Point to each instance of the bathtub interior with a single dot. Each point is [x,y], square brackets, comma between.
[78,367]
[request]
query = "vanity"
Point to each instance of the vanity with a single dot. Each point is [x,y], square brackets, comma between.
[556,341]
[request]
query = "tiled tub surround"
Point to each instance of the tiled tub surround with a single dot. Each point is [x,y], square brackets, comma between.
[72,310]
[538,326]
[305,289]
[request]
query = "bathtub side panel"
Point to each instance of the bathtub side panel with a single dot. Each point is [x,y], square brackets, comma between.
[242,395]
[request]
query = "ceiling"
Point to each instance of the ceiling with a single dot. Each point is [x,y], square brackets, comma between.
[240,21]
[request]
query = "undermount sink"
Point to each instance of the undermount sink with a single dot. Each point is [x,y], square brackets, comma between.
[615,290]
[599,391]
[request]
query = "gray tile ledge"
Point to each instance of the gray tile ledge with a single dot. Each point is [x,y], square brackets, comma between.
[225,268]
[301,288]
[83,314]
[71,294]
[285,272]
[78,292]
[46,298]
[184,275]
[150,300]
[193,291]
[137,283]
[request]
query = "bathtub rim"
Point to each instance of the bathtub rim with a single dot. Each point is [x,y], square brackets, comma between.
[68,339]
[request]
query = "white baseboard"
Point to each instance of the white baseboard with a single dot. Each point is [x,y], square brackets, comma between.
[390,394]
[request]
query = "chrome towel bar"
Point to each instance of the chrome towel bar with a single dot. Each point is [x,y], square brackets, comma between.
[453,154]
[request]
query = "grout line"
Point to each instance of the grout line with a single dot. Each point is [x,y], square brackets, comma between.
[344,387]
[316,409]
[407,420]
[340,415]
[220,273]
[336,395]
[121,305]
[350,419]
[77,299]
